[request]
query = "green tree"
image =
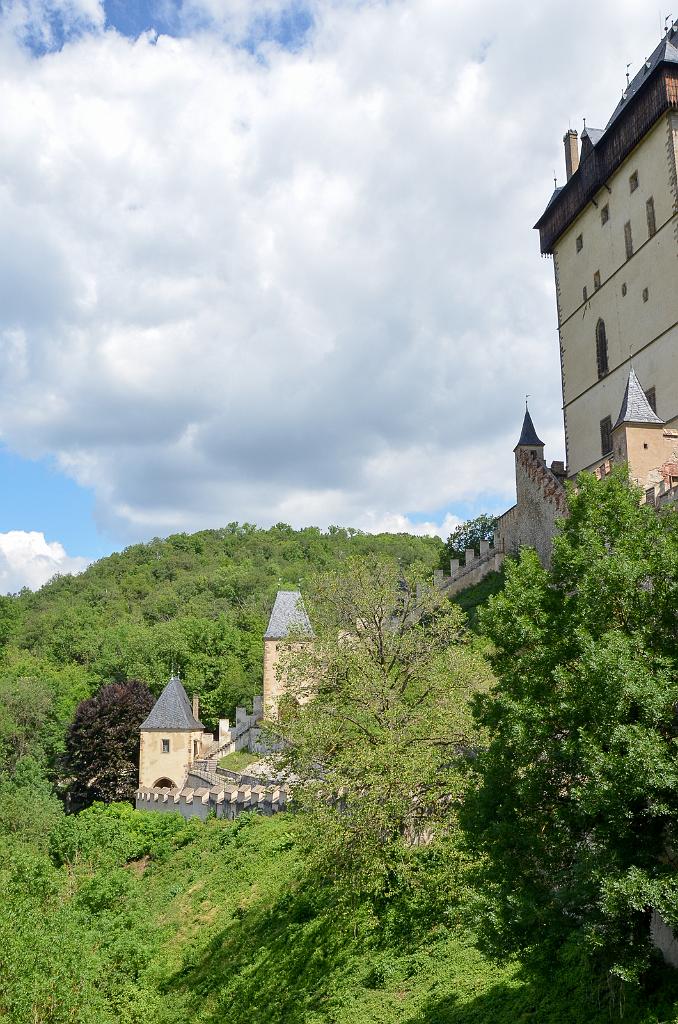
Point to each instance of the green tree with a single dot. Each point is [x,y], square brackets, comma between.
[381,745]
[575,812]
[468,535]
[102,744]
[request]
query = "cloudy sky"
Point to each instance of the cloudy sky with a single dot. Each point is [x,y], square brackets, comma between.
[266,260]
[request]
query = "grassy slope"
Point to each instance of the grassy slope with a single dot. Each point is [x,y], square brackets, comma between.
[240,934]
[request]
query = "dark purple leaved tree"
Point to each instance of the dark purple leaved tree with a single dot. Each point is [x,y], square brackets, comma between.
[101,761]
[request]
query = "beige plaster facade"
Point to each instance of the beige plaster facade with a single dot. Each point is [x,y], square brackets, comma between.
[276,683]
[635,296]
[651,451]
[157,763]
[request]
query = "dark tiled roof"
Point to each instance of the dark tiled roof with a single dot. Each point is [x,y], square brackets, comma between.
[288,615]
[594,134]
[666,52]
[635,407]
[172,710]
[528,435]
[556,192]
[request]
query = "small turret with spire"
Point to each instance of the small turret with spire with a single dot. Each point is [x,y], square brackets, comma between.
[638,435]
[529,439]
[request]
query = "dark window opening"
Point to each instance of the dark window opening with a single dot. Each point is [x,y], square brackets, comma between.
[633,182]
[164,784]
[606,436]
[628,240]
[165,747]
[646,294]
[585,293]
[651,220]
[601,348]
[596,280]
[651,395]
[579,243]
[624,288]
[605,214]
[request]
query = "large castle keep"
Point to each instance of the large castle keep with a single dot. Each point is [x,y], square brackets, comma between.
[612,231]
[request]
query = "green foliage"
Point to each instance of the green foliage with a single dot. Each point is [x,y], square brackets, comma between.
[227,921]
[380,745]
[473,599]
[101,759]
[238,760]
[467,535]
[198,603]
[577,801]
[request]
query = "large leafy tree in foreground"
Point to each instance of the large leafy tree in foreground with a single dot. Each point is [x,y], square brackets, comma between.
[102,743]
[576,808]
[381,746]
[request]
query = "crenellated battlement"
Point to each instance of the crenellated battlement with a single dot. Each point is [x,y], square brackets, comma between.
[225,801]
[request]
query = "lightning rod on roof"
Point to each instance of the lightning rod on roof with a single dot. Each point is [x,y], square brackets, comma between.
[627,72]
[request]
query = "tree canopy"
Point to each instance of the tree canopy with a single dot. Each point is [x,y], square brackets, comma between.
[576,807]
[383,727]
[101,760]
[468,535]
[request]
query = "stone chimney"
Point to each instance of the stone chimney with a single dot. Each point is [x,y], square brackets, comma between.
[571,142]
[196,707]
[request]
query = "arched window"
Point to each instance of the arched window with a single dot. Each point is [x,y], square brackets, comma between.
[601,348]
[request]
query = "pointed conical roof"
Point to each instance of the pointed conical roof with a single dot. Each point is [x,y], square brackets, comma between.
[635,407]
[172,710]
[288,615]
[528,435]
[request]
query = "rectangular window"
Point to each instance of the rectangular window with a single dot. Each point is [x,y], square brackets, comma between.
[579,243]
[633,182]
[651,221]
[651,395]
[596,280]
[606,436]
[165,747]
[605,214]
[628,240]
[585,293]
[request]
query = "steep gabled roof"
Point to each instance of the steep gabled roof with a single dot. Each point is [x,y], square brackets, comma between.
[528,435]
[172,710]
[635,407]
[288,615]
[665,53]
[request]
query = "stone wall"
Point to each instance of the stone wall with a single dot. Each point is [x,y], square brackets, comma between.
[226,801]
[475,568]
[541,500]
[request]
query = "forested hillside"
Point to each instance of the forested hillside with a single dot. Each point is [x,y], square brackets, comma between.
[195,603]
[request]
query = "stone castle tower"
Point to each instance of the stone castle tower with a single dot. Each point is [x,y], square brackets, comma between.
[612,230]
[288,618]
[172,738]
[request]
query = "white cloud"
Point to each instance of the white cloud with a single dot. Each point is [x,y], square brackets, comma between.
[302,286]
[27,559]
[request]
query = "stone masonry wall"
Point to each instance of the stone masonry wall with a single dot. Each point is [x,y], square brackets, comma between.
[541,500]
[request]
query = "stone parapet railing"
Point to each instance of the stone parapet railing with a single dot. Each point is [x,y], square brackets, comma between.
[476,566]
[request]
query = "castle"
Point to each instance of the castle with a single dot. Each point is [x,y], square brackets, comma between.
[612,231]
[179,760]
